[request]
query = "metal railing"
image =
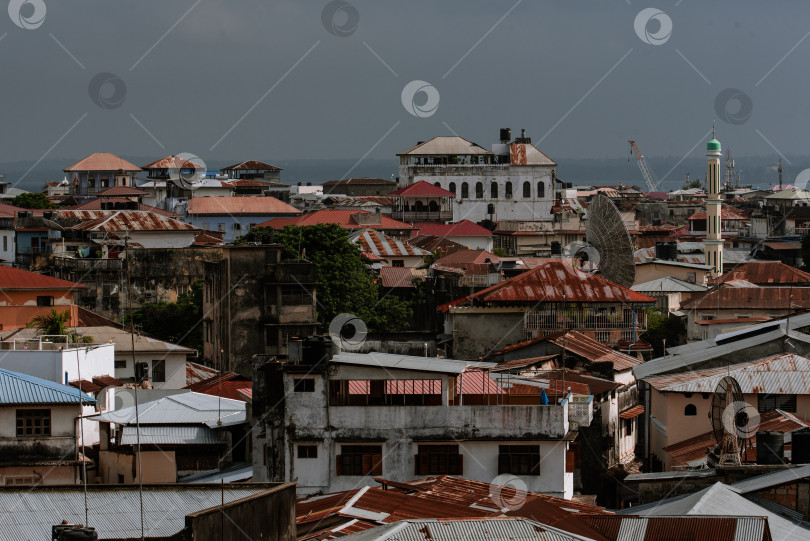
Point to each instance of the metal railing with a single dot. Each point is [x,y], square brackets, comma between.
[421,216]
[572,318]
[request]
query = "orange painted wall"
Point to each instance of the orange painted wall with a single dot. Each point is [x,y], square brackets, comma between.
[18,307]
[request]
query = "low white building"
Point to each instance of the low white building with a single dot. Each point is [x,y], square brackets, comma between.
[403,418]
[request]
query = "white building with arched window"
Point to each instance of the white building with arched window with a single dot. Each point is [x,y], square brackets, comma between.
[513,181]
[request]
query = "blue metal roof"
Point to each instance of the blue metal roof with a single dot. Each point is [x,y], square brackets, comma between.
[17,388]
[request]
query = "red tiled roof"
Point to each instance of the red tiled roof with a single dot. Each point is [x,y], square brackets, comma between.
[251,165]
[239,205]
[95,204]
[204,239]
[11,278]
[765,273]
[134,220]
[725,214]
[635,411]
[107,381]
[462,258]
[86,386]
[464,228]
[174,162]
[102,161]
[122,191]
[554,281]
[396,277]
[343,218]
[226,385]
[443,246]
[423,188]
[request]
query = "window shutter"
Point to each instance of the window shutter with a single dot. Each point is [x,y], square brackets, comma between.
[376,468]
[535,469]
[503,464]
[339,465]
[569,461]
[367,464]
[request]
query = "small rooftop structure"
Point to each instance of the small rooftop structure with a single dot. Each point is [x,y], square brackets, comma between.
[239,206]
[102,161]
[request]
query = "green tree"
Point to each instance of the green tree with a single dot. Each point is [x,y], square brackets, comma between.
[51,323]
[260,235]
[177,322]
[693,184]
[344,283]
[33,201]
[661,327]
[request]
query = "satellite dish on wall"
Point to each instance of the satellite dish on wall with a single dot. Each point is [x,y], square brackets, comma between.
[733,421]
[607,233]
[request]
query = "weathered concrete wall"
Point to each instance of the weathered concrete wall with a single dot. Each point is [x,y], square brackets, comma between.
[477,333]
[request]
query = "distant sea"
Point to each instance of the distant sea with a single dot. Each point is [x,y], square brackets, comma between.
[760,172]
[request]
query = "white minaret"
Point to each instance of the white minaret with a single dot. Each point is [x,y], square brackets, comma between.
[714,240]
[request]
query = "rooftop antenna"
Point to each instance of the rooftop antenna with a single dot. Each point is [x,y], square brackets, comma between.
[137,413]
[779,168]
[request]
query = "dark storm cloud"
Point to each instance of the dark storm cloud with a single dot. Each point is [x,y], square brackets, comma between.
[271,80]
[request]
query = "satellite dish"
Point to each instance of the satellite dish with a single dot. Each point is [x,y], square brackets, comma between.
[733,421]
[607,233]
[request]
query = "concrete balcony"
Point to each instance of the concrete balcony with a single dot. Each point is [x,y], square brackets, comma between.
[422,216]
[441,422]
[87,264]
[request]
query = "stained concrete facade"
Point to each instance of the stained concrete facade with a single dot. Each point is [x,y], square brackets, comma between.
[288,419]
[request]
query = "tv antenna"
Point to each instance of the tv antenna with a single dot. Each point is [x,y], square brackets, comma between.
[607,233]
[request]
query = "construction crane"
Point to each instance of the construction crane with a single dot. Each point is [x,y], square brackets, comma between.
[649,177]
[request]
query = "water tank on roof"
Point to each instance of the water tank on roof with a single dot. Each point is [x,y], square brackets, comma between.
[800,453]
[79,534]
[770,447]
[667,251]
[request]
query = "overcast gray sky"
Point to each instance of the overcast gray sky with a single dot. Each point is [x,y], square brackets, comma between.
[267,80]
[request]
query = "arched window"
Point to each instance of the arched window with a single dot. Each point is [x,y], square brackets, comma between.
[437,184]
[508,190]
[493,190]
[479,190]
[527,190]
[452,187]
[465,190]
[419,206]
[690,410]
[433,206]
[541,190]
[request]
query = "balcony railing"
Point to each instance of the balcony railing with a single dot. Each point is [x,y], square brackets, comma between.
[583,319]
[422,216]
[88,264]
[479,280]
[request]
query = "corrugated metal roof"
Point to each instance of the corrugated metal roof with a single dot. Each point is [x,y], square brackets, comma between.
[408,362]
[102,161]
[787,373]
[234,474]
[16,388]
[787,475]
[705,528]
[764,273]
[481,529]
[95,205]
[181,409]
[197,372]
[668,284]
[444,145]
[170,435]
[422,189]
[554,281]
[122,191]
[720,500]
[726,214]
[379,244]
[134,220]
[397,277]
[114,512]
[253,206]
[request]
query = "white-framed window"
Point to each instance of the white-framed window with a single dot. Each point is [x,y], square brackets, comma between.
[237,226]
[221,228]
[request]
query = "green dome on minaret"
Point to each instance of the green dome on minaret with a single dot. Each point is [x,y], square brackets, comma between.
[714,144]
